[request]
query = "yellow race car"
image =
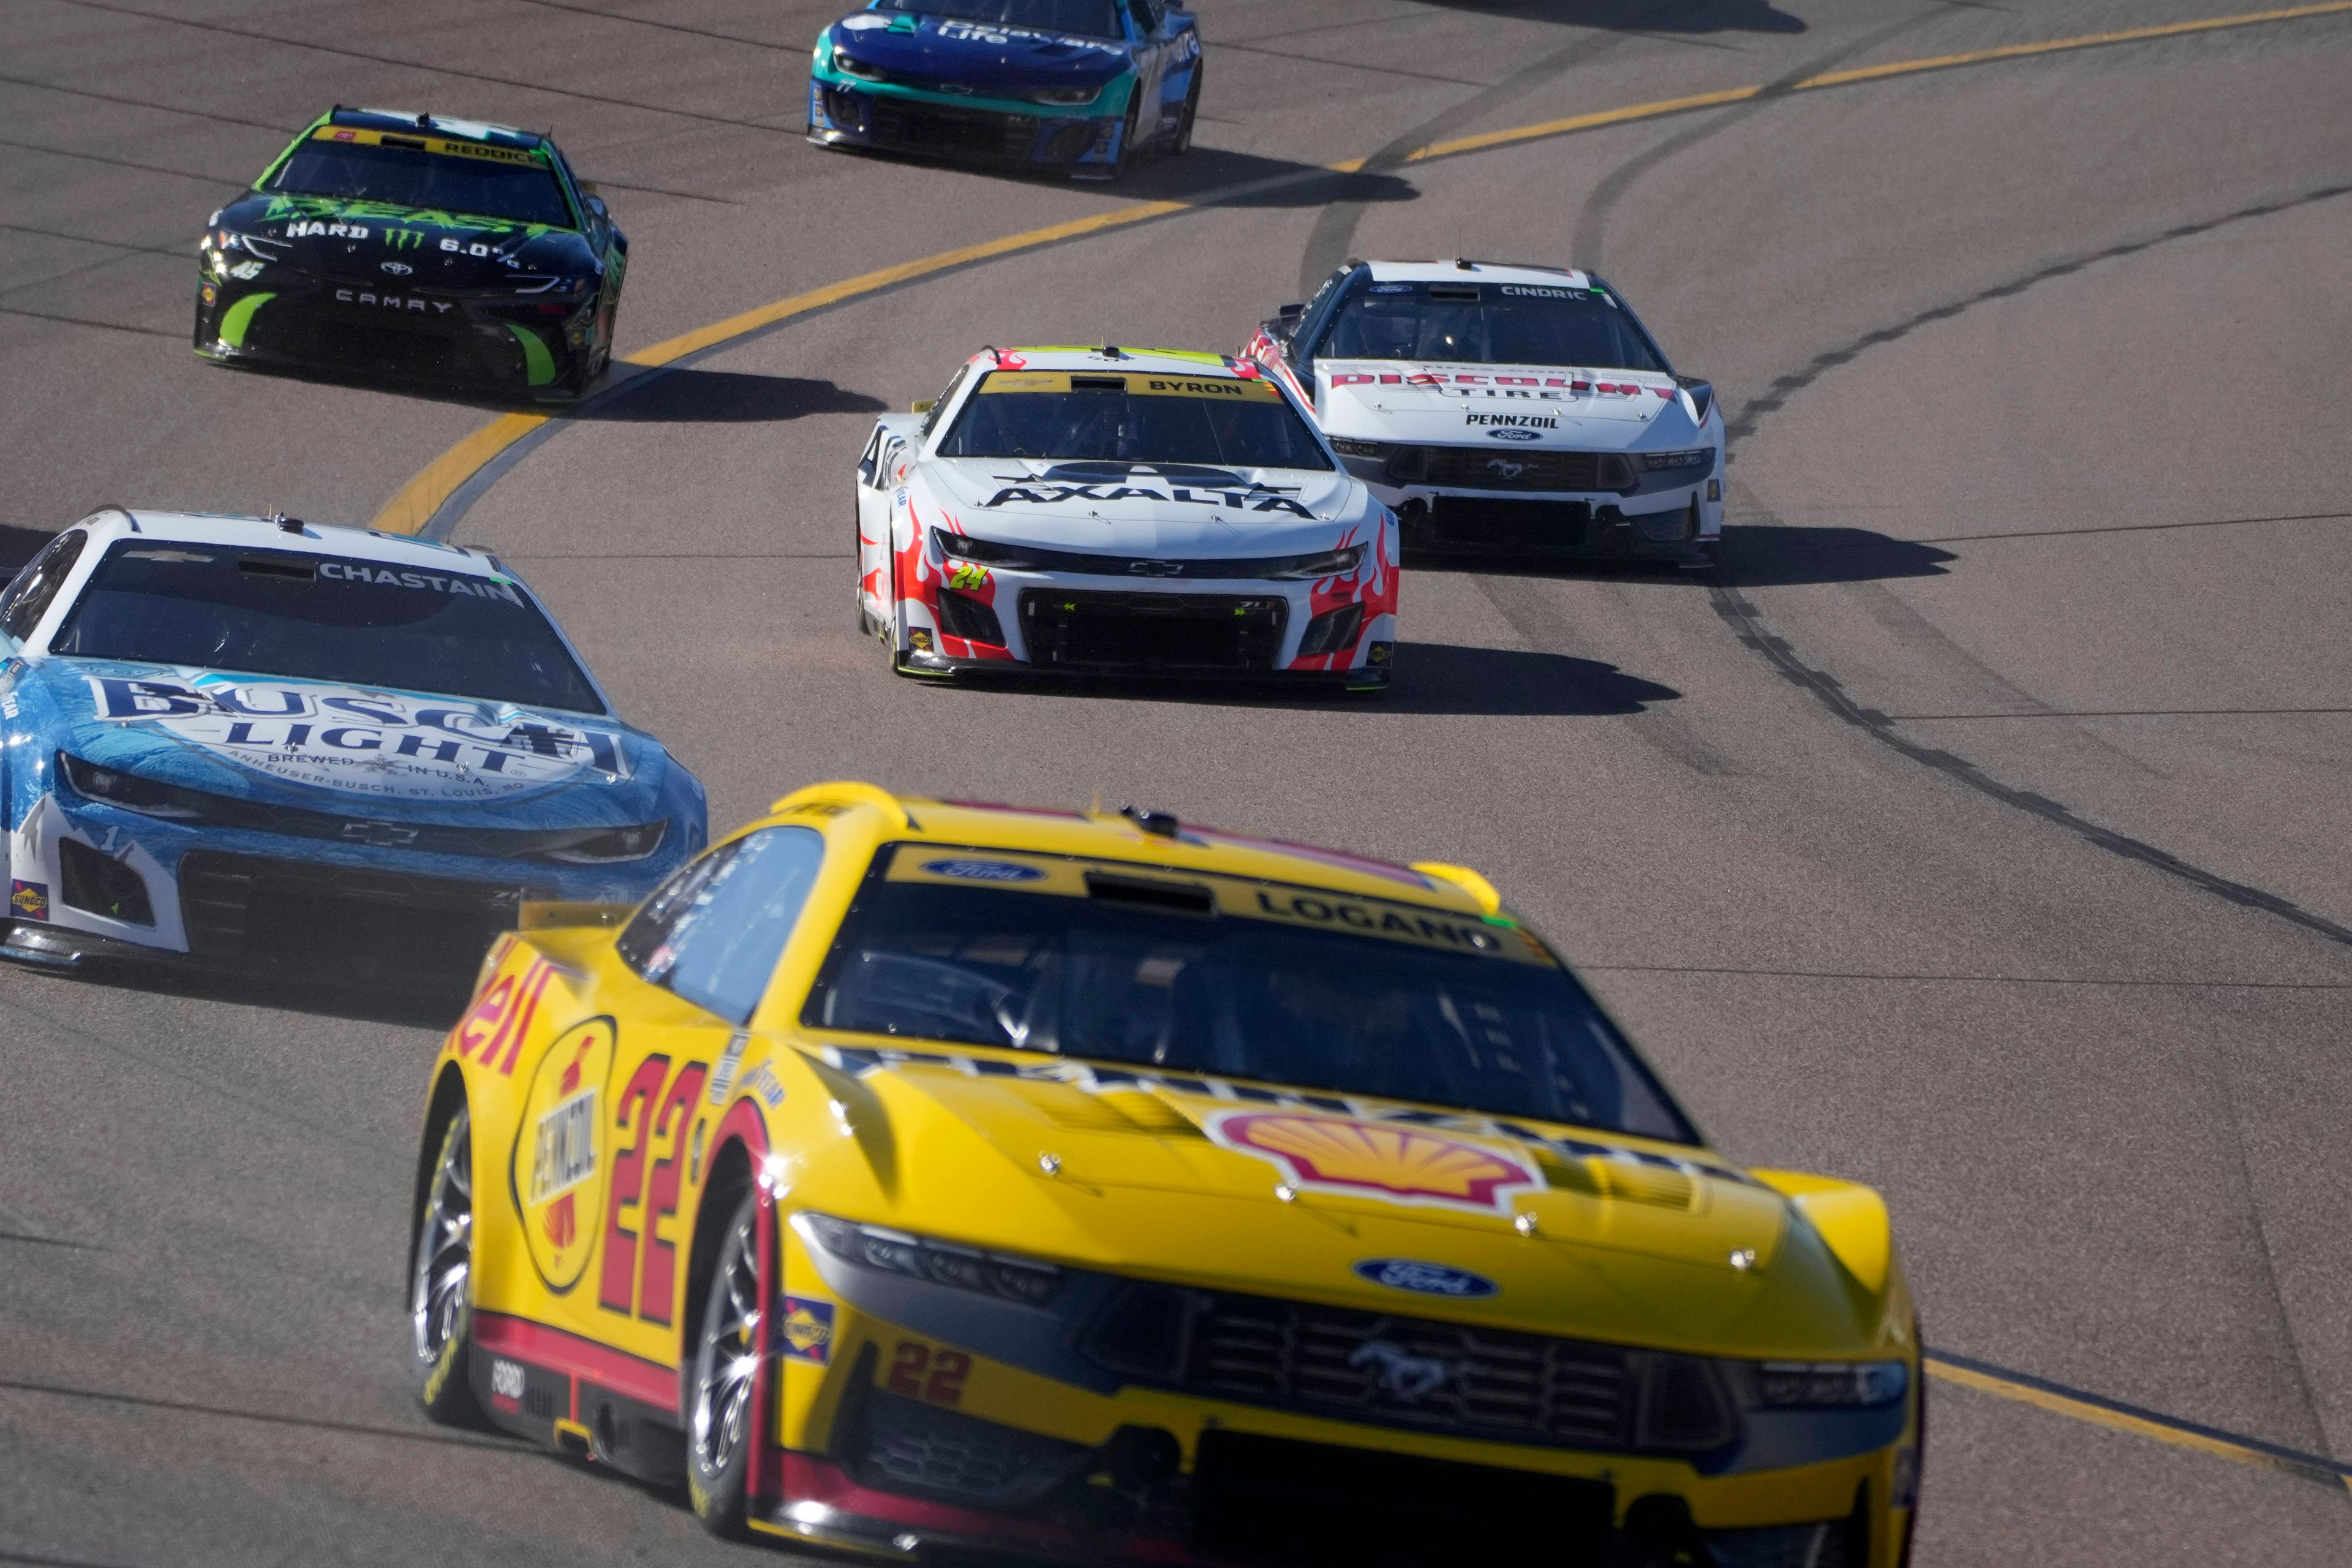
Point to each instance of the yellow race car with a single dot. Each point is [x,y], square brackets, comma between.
[910,1176]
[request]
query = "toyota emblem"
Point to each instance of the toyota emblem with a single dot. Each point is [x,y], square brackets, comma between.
[397,268]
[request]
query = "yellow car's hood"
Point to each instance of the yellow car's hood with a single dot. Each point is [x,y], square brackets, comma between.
[1532,1226]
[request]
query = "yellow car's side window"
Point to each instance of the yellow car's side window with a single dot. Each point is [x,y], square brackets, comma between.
[714,931]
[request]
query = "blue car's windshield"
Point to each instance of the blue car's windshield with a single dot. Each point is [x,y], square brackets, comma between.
[317,618]
[1087,18]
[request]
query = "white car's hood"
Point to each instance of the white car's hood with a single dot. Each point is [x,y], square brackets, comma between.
[1159,509]
[1466,404]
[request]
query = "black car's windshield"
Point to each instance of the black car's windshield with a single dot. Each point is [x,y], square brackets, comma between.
[1087,18]
[1132,416]
[423,171]
[315,618]
[1237,978]
[1486,323]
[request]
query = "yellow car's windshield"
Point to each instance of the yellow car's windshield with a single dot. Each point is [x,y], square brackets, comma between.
[1238,978]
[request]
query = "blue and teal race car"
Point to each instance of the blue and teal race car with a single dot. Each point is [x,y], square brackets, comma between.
[306,754]
[1089,87]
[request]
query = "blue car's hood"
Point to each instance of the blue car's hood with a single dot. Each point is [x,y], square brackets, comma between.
[407,756]
[977,54]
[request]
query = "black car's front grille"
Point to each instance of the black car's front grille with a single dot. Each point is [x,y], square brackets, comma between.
[1515,468]
[1386,1370]
[957,133]
[1153,634]
[1272,1499]
[331,339]
[341,922]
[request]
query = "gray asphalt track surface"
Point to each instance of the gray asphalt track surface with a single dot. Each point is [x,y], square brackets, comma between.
[1979,834]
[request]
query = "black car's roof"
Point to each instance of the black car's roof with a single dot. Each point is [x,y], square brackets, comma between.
[440,125]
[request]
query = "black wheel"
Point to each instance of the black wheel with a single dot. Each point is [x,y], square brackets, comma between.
[441,1282]
[720,1420]
[1130,154]
[1183,142]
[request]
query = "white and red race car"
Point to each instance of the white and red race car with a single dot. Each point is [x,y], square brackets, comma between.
[1125,513]
[1506,407]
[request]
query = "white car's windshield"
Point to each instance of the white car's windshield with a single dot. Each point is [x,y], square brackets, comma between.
[1486,323]
[1133,416]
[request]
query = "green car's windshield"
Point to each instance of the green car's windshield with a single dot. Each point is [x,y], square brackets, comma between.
[1234,978]
[422,171]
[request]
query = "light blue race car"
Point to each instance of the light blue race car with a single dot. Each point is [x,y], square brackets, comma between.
[1089,87]
[304,752]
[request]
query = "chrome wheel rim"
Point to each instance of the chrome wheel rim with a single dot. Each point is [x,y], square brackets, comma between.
[728,1359]
[440,1284]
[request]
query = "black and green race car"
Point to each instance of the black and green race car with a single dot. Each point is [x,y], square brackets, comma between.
[412,246]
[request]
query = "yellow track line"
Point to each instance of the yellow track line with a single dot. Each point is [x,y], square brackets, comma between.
[425,494]
[2099,1413]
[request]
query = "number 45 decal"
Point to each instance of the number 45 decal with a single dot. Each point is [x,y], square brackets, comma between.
[640,1268]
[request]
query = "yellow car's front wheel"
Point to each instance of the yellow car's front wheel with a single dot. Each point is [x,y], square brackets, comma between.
[719,1413]
[441,1280]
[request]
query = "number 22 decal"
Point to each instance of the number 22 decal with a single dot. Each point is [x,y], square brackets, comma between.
[946,1369]
[640,1267]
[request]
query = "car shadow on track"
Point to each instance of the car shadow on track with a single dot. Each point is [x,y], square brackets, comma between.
[1640,16]
[1753,557]
[689,396]
[1203,174]
[429,1001]
[1431,679]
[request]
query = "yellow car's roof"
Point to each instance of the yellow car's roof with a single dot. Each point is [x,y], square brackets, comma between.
[1100,835]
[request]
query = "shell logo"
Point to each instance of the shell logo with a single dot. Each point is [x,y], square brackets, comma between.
[1394,1164]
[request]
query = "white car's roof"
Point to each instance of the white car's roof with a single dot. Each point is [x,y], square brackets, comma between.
[292,535]
[1478,272]
[1167,362]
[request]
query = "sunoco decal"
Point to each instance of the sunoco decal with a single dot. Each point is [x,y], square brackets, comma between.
[367,743]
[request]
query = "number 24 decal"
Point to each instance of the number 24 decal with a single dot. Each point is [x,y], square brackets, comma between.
[640,1268]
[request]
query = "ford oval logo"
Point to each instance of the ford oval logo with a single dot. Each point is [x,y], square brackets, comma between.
[1513,435]
[983,870]
[1425,1279]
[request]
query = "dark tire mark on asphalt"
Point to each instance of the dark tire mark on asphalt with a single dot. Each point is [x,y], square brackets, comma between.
[1584,242]
[268,1417]
[431,69]
[1335,228]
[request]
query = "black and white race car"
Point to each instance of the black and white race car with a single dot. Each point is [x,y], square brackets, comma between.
[1114,512]
[1506,407]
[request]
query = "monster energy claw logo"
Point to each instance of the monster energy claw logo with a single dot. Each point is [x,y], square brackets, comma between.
[404,239]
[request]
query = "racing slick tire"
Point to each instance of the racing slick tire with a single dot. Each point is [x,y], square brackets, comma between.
[1130,154]
[721,1423]
[441,1279]
[1181,142]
